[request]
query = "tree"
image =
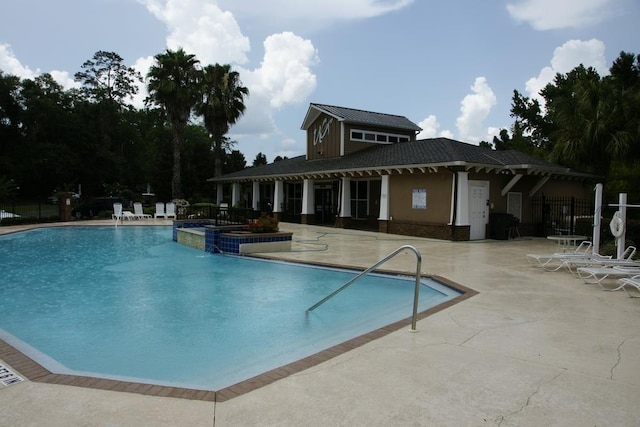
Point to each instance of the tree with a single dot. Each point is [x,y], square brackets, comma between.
[106,78]
[221,105]
[260,160]
[174,83]
[588,122]
[234,161]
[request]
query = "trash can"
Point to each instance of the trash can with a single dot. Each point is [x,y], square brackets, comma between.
[64,206]
[499,225]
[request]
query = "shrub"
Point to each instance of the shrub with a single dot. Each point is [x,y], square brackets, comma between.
[264,224]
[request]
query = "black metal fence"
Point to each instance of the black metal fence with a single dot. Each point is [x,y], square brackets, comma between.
[16,211]
[561,215]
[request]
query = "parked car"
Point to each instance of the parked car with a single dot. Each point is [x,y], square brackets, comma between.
[53,199]
[96,206]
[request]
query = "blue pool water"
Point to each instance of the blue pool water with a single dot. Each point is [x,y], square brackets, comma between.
[129,303]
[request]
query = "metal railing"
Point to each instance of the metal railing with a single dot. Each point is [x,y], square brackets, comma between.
[414,317]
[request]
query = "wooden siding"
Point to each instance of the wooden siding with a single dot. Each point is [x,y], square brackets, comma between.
[323,138]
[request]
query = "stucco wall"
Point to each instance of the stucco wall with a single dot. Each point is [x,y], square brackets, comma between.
[438,195]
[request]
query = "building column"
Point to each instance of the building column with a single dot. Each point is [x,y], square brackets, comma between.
[384,199]
[219,195]
[462,202]
[308,202]
[278,199]
[344,215]
[235,194]
[255,197]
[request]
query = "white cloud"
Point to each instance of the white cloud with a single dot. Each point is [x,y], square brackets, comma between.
[285,77]
[285,72]
[474,109]
[429,127]
[447,134]
[64,79]
[9,64]
[142,66]
[552,14]
[565,58]
[200,27]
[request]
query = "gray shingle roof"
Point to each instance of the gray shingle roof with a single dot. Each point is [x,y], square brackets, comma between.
[425,153]
[354,116]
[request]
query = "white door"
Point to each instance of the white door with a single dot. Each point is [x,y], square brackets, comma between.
[478,209]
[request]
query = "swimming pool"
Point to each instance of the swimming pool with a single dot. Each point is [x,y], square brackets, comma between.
[129,303]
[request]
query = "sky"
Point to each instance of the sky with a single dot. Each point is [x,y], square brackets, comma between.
[449,66]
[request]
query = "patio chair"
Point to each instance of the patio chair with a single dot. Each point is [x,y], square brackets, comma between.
[633,282]
[117,212]
[139,212]
[160,211]
[171,210]
[223,212]
[554,261]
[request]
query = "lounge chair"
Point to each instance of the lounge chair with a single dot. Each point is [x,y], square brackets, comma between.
[138,212]
[573,264]
[171,210]
[633,281]
[160,211]
[599,274]
[554,261]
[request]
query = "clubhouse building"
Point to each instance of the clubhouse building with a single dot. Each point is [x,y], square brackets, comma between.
[366,170]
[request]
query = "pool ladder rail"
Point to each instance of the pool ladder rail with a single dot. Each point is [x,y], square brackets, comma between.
[414,317]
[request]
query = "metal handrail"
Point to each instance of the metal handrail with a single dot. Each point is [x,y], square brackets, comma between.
[376,265]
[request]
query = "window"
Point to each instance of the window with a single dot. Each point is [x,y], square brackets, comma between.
[293,198]
[359,199]
[378,137]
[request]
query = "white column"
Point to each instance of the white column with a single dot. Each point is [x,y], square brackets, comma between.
[622,201]
[345,198]
[308,197]
[219,194]
[235,194]
[278,197]
[384,198]
[597,216]
[256,196]
[462,217]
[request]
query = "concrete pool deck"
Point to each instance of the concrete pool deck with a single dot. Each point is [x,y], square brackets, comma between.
[532,348]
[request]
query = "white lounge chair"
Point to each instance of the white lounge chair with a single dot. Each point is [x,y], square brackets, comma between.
[598,274]
[573,264]
[171,210]
[633,282]
[160,211]
[138,212]
[554,261]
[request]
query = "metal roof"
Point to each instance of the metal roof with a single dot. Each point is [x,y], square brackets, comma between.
[426,155]
[354,116]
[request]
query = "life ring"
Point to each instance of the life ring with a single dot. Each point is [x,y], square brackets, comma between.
[616,225]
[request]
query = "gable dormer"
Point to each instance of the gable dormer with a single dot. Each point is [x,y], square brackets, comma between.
[335,131]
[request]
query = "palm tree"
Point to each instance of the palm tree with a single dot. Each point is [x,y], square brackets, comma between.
[221,106]
[174,84]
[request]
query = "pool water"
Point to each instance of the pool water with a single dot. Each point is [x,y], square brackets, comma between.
[129,303]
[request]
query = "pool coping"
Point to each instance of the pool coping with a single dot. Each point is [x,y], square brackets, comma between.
[33,371]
